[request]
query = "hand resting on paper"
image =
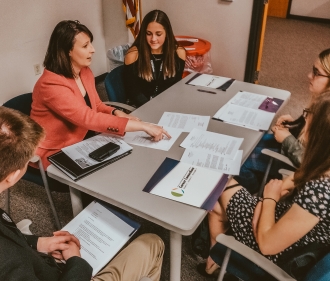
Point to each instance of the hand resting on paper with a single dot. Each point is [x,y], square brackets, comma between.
[71,251]
[55,245]
[157,133]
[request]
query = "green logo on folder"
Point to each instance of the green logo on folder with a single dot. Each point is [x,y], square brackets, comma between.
[177,192]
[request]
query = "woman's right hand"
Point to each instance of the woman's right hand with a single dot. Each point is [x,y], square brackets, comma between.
[156,132]
[273,189]
[284,118]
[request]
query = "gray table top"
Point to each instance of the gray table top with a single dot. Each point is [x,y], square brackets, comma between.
[122,182]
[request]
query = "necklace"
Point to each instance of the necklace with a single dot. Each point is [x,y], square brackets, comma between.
[156,58]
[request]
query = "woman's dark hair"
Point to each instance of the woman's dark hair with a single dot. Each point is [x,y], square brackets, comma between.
[169,47]
[61,42]
[316,160]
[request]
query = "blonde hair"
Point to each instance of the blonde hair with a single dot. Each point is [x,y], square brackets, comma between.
[324,58]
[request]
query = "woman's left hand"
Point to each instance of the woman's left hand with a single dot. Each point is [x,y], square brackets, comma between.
[273,189]
[120,113]
[280,133]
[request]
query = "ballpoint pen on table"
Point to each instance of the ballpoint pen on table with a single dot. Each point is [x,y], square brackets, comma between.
[204,91]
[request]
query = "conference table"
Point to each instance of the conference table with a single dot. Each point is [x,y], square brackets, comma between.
[122,182]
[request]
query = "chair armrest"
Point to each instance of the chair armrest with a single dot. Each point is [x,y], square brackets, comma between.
[23,226]
[35,159]
[258,259]
[278,156]
[285,173]
[120,105]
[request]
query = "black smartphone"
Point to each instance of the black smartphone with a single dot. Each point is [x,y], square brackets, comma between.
[104,151]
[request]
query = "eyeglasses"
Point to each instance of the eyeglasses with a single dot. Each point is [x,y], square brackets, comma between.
[317,73]
[306,111]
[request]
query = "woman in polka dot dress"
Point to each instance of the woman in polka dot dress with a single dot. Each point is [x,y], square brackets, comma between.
[302,218]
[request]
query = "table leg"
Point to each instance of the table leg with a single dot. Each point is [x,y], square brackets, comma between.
[76,201]
[175,256]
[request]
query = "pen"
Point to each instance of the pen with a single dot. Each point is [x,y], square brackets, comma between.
[204,91]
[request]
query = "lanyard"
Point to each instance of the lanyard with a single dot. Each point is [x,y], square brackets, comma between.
[154,75]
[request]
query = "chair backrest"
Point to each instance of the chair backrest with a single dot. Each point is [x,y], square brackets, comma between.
[21,103]
[114,85]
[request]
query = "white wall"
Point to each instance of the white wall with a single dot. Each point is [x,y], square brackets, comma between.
[25,28]
[311,8]
[225,24]
[115,29]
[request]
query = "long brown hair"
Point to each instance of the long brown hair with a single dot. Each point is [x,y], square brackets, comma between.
[316,160]
[324,58]
[61,42]
[169,47]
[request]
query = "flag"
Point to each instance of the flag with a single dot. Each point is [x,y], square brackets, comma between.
[131,9]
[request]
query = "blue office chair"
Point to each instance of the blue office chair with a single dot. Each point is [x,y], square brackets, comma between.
[23,103]
[114,86]
[248,265]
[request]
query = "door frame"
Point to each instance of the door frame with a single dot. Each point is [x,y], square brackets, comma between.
[257,18]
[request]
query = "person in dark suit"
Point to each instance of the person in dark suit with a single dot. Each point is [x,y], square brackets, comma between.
[29,257]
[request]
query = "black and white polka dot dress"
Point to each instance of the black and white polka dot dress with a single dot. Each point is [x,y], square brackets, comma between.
[314,197]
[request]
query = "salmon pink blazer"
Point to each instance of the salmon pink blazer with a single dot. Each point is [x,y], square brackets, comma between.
[59,107]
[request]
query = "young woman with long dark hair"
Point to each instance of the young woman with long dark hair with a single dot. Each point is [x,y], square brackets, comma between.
[155,61]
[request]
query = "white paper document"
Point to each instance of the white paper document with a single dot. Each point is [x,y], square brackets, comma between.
[247,99]
[207,80]
[79,151]
[184,122]
[143,139]
[249,110]
[213,161]
[187,184]
[214,143]
[101,234]
[246,117]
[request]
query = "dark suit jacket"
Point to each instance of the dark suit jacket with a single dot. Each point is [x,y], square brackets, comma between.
[19,259]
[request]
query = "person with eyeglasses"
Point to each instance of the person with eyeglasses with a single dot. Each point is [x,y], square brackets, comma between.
[292,143]
[293,214]
[65,101]
[287,132]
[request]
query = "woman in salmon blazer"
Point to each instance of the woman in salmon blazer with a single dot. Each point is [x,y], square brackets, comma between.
[65,101]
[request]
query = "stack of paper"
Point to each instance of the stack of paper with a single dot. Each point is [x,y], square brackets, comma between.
[249,110]
[74,161]
[211,81]
[102,232]
[213,151]
[174,123]
[187,184]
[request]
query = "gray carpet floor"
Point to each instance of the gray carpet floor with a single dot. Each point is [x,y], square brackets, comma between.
[290,49]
